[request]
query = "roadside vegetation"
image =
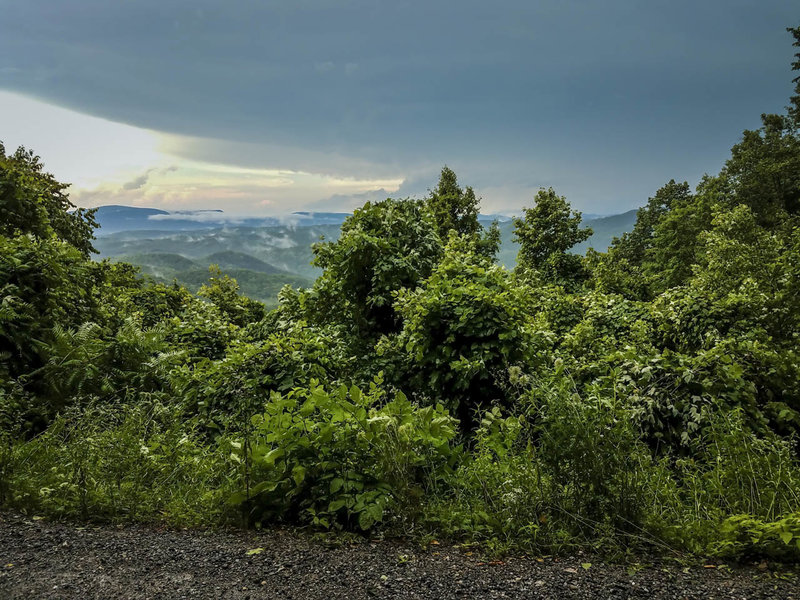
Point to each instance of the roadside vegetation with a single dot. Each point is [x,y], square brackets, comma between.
[647,397]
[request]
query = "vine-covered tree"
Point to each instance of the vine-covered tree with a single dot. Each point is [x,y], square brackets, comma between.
[383,247]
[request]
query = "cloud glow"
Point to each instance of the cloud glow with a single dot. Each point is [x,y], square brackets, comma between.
[113,163]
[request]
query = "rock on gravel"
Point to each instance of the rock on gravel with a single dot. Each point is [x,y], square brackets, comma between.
[48,560]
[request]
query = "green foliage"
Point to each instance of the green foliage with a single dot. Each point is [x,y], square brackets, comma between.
[81,363]
[46,286]
[497,495]
[149,304]
[255,285]
[223,292]
[673,396]
[635,245]
[794,107]
[33,202]
[383,247]
[546,233]
[233,386]
[142,464]
[201,332]
[613,274]
[643,398]
[342,458]
[453,208]
[763,170]
[42,283]
[464,328]
[736,476]
[602,475]
[659,252]
[746,535]
[570,472]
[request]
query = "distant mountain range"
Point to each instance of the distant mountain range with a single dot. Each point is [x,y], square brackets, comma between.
[284,248]
[263,253]
[116,218]
[165,264]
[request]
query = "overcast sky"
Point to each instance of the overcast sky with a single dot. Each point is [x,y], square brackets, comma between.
[268,107]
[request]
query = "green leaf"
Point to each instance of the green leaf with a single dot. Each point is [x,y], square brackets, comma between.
[271,456]
[237,498]
[336,505]
[355,395]
[298,474]
[365,520]
[263,486]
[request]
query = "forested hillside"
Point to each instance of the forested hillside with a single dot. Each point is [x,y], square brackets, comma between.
[284,248]
[257,279]
[184,250]
[646,397]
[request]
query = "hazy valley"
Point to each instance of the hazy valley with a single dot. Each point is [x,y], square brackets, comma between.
[266,253]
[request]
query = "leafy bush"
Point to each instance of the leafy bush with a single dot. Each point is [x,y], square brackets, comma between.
[342,458]
[33,203]
[746,535]
[228,391]
[464,327]
[383,247]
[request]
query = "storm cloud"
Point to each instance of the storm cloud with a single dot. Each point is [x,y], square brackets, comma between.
[603,100]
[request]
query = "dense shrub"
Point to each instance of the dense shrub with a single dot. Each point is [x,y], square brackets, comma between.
[141,464]
[236,385]
[464,328]
[341,458]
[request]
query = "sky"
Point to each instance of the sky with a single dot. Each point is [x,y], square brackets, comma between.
[266,107]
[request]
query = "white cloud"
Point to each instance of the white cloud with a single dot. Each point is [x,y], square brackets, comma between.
[78,149]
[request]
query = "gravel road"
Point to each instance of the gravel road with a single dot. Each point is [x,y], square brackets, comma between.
[51,560]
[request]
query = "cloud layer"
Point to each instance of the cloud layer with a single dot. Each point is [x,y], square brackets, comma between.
[603,100]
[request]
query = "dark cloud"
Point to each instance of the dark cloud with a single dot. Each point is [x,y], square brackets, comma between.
[137,183]
[606,100]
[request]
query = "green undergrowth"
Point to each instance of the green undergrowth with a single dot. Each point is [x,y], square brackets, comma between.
[374,463]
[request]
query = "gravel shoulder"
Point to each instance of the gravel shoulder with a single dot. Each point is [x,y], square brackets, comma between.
[51,560]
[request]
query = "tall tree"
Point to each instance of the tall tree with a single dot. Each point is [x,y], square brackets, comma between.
[794,107]
[546,233]
[33,202]
[634,245]
[453,207]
